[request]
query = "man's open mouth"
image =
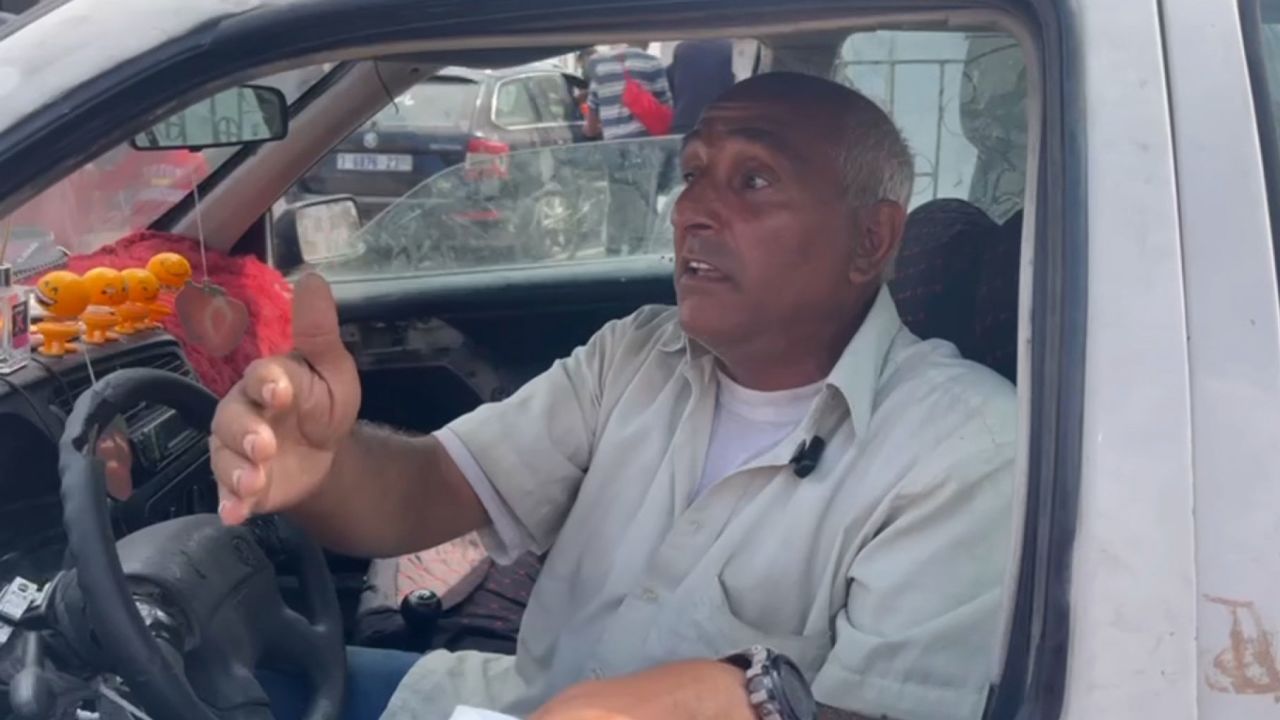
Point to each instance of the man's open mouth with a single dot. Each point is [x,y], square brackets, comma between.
[703,270]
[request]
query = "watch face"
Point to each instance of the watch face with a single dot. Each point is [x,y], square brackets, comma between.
[795,692]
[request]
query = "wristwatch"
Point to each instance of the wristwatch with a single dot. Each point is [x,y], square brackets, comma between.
[776,688]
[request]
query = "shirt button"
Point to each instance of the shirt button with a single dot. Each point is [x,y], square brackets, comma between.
[694,525]
[648,595]
[596,673]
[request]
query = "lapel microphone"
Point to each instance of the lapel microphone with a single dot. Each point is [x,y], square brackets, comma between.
[805,459]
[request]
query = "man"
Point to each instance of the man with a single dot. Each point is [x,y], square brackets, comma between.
[777,462]
[700,71]
[607,72]
[632,167]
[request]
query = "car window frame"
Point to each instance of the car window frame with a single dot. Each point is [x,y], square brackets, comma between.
[1251,26]
[1031,676]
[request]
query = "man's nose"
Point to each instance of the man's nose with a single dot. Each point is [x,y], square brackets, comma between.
[695,213]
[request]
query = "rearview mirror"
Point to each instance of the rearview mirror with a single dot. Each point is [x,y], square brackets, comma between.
[245,114]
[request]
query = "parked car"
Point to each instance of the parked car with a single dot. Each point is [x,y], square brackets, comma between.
[457,117]
[553,207]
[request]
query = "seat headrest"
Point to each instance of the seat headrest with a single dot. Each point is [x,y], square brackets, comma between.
[935,279]
[956,279]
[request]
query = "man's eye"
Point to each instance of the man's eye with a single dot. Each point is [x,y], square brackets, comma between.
[755,182]
[688,176]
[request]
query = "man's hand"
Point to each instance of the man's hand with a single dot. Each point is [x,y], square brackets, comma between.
[275,433]
[117,457]
[690,690]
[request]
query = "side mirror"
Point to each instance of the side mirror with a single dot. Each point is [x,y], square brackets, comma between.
[316,231]
[245,114]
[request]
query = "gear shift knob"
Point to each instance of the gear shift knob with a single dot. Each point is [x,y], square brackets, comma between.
[421,610]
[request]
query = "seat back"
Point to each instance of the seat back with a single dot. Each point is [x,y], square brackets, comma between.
[935,279]
[956,279]
[996,309]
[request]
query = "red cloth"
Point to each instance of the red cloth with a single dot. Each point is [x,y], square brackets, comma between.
[645,107]
[264,291]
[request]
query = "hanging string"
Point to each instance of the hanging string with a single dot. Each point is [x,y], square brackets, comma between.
[195,192]
[93,380]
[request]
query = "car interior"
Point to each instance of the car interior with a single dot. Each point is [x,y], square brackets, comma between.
[434,342]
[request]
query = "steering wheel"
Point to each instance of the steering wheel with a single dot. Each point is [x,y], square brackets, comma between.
[184,611]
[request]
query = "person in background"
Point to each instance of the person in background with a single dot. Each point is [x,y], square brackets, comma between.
[632,168]
[700,71]
[607,116]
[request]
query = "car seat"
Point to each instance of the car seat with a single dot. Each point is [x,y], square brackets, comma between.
[956,279]
[996,310]
[935,278]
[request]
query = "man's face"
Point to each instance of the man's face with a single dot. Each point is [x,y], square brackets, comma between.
[764,234]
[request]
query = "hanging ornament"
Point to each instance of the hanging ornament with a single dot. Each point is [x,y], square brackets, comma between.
[211,318]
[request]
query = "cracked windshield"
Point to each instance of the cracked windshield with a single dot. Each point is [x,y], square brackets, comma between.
[487,169]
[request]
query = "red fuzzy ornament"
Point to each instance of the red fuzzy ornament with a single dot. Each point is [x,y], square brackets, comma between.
[264,291]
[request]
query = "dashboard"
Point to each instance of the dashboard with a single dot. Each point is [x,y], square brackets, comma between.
[167,474]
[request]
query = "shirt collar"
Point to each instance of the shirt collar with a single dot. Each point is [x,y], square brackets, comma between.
[856,373]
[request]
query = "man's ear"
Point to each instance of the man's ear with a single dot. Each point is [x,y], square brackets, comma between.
[880,228]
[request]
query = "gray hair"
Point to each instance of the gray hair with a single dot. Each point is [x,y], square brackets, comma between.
[877,163]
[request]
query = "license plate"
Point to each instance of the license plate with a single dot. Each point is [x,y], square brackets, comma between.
[375,162]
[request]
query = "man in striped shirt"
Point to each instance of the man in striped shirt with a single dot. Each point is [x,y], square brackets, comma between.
[608,117]
[632,167]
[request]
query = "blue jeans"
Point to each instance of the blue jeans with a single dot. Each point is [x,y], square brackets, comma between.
[372,676]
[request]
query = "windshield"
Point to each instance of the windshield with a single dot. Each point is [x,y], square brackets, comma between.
[118,193]
[573,203]
[523,186]
[439,102]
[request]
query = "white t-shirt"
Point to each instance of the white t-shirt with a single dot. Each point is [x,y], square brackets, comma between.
[749,423]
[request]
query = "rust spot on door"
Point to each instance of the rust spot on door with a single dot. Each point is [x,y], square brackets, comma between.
[1247,666]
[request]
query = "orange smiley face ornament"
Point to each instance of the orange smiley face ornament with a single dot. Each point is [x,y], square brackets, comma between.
[106,293]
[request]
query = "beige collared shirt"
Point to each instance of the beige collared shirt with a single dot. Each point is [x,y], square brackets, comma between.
[881,574]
